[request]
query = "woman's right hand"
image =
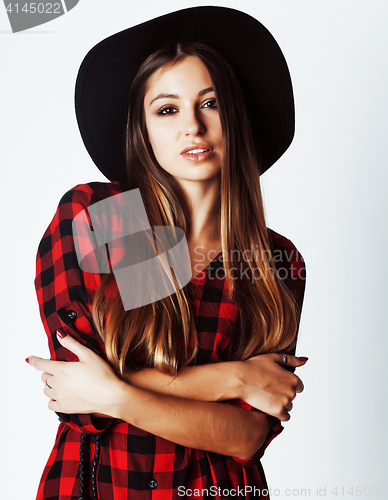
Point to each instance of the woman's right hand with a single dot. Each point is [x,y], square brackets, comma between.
[267,385]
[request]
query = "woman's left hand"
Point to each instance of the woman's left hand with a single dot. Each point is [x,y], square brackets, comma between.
[86,386]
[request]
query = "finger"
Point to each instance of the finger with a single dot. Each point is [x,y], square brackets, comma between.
[45,376]
[300,386]
[48,391]
[289,407]
[43,365]
[284,416]
[73,345]
[53,405]
[289,360]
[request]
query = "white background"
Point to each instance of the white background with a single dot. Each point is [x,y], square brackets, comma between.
[327,194]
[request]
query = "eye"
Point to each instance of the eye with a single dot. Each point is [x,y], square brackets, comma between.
[166,111]
[211,103]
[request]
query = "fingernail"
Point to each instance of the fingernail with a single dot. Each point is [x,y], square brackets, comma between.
[61,334]
[302,358]
[27,360]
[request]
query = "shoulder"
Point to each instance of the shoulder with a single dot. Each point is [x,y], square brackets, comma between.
[84,195]
[70,205]
[283,248]
[289,263]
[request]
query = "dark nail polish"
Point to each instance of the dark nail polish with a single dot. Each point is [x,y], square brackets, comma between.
[27,360]
[303,358]
[61,334]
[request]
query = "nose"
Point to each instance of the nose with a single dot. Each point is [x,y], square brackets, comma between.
[193,124]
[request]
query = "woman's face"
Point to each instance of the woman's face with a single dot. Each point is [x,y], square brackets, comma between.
[183,122]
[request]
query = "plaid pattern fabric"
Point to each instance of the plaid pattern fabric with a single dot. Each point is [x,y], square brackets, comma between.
[133,464]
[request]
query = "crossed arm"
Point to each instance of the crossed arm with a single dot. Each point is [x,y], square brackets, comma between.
[185,409]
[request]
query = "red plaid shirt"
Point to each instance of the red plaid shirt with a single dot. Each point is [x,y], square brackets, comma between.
[127,462]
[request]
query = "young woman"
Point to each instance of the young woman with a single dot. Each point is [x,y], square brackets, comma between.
[178,397]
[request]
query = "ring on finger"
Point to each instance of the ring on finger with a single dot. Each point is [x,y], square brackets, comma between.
[46,384]
[284,359]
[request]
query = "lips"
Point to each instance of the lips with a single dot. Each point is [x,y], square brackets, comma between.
[198,152]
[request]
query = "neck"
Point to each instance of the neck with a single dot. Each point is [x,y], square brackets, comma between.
[204,213]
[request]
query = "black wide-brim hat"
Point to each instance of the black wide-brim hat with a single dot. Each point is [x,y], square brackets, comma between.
[106,74]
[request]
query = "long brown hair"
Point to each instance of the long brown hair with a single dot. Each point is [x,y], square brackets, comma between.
[163,334]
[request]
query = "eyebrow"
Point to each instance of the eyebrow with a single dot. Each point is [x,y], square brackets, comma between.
[176,96]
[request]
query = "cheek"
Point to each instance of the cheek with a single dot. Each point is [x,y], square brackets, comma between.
[214,125]
[161,140]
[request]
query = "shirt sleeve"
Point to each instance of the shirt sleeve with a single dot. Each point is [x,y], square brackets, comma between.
[275,429]
[65,293]
[291,270]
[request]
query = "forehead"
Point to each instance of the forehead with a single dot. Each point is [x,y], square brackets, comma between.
[183,77]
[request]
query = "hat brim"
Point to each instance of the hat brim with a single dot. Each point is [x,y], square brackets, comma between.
[106,73]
